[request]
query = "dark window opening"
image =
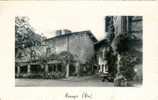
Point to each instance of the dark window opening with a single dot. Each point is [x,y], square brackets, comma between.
[51,68]
[16,69]
[72,70]
[59,67]
[23,69]
[36,69]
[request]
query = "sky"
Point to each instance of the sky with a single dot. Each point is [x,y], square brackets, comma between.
[48,24]
[75,16]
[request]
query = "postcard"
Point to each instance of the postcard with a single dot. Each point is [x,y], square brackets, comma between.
[79,50]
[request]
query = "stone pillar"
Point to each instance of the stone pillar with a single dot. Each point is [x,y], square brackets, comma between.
[67,70]
[77,68]
[18,69]
[18,72]
[46,68]
[56,67]
[28,68]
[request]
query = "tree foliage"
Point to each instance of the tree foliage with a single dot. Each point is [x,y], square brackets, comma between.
[125,43]
[127,64]
[25,35]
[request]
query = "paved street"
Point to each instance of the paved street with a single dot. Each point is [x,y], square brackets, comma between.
[94,82]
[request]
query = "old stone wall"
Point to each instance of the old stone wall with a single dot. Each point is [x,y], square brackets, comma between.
[80,45]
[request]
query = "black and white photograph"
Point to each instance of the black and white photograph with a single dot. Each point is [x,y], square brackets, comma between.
[78,50]
[56,53]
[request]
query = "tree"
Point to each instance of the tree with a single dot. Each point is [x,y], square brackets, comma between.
[25,35]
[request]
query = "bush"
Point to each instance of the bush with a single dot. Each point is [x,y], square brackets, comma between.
[55,75]
[34,75]
[127,64]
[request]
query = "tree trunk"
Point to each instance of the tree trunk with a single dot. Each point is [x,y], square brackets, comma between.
[117,80]
[118,63]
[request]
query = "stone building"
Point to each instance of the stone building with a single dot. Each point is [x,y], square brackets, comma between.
[101,47]
[46,58]
[105,58]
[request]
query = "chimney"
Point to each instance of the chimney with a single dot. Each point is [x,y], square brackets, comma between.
[62,32]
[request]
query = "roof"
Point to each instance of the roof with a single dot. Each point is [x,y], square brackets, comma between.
[72,33]
[101,43]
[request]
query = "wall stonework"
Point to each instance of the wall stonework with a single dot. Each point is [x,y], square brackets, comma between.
[80,45]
